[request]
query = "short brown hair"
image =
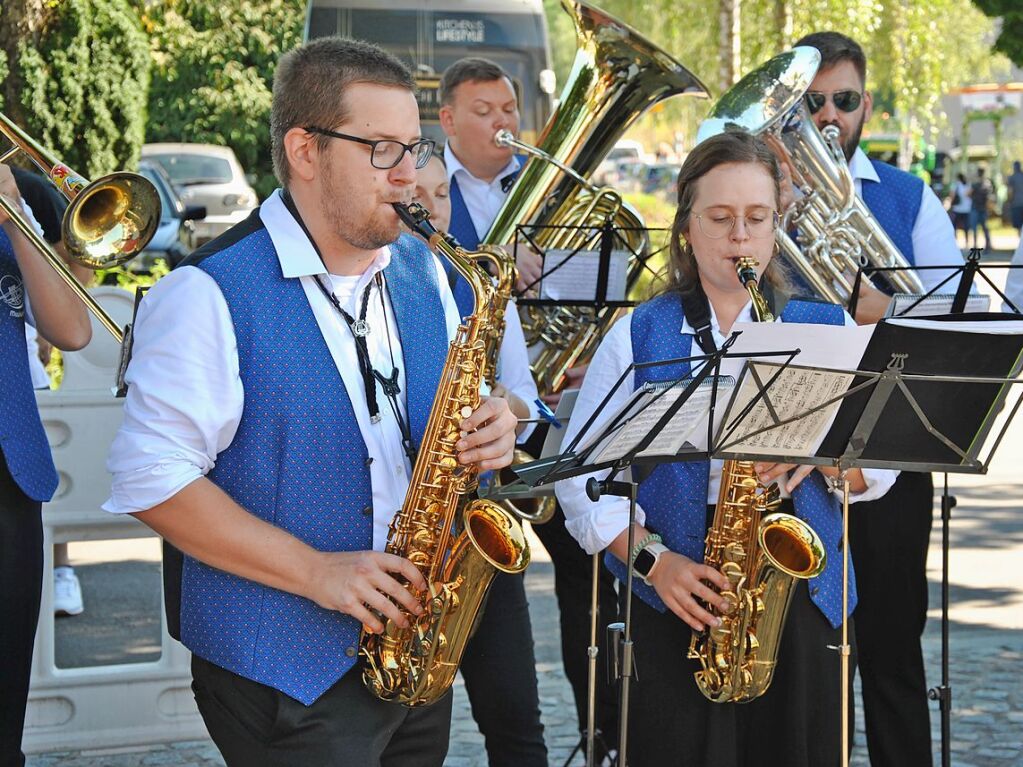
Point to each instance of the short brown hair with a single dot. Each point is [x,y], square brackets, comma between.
[310,85]
[723,149]
[468,70]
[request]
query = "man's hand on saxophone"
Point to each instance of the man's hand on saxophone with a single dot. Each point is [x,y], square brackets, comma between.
[779,472]
[488,435]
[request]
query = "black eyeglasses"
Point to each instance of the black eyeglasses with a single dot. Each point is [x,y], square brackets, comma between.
[386,153]
[847,101]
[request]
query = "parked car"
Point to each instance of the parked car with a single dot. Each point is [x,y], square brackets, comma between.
[623,153]
[207,175]
[175,235]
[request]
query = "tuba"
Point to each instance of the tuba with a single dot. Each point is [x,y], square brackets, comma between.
[617,76]
[458,546]
[837,234]
[108,222]
[762,553]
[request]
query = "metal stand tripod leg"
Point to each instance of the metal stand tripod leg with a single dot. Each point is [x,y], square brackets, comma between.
[943,692]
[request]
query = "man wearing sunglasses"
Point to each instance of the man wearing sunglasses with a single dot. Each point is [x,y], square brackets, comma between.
[889,536]
[280,387]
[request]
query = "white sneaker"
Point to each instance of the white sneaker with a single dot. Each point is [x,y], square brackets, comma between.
[67,592]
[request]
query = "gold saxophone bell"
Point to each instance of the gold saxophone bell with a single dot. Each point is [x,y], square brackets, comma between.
[108,222]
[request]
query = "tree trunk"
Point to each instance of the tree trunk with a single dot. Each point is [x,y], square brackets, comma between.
[20,20]
[783,23]
[730,39]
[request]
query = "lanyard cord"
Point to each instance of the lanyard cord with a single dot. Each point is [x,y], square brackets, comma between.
[360,329]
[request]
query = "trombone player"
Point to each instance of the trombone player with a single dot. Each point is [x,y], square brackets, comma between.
[31,291]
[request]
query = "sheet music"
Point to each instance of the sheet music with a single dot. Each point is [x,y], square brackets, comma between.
[826,346]
[796,391]
[572,275]
[647,406]
[1011,325]
[938,303]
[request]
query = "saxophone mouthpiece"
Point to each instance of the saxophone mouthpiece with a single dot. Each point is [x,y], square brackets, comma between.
[745,267]
[415,217]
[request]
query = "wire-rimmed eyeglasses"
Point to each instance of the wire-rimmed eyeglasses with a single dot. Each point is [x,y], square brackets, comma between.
[386,153]
[718,225]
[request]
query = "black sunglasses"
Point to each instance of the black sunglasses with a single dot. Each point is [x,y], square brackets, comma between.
[386,153]
[847,101]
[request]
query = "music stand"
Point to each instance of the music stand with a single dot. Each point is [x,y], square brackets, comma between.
[864,434]
[637,456]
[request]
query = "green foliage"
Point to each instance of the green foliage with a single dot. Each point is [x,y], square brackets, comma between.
[917,51]
[1010,39]
[213,65]
[85,81]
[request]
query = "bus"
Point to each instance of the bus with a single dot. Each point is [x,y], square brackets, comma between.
[430,35]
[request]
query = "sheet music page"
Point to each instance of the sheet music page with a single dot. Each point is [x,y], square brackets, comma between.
[796,390]
[939,303]
[688,425]
[572,275]
[826,346]
[1008,326]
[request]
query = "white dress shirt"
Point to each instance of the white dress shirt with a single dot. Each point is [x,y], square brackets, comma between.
[596,524]
[934,238]
[185,395]
[483,199]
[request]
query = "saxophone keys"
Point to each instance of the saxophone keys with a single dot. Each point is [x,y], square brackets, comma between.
[733,572]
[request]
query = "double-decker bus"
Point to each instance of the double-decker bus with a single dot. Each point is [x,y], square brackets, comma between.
[429,35]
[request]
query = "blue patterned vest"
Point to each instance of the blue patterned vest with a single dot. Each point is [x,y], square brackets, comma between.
[298,461]
[464,231]
[22,439]
[674,496]
[895,203]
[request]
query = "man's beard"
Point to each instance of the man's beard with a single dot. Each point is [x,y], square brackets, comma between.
[365,234]
[852,143]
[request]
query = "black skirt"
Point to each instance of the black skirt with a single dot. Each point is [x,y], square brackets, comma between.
[796,723]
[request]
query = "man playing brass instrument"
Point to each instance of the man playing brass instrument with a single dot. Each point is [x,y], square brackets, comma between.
[280,386]
[888,536]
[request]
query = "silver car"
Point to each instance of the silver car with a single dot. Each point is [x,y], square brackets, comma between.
[210,176]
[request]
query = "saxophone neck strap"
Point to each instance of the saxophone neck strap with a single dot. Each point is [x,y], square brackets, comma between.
[696,307]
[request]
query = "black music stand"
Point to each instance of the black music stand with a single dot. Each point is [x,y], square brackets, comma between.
[961,275]
[891,418]
[571,464]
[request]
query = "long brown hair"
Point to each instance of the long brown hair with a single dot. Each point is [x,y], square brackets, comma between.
[723,149]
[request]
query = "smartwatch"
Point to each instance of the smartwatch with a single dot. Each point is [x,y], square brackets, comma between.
[646,559]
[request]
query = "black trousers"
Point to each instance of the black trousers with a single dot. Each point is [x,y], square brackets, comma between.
[21,585]
[796,723]
[573,583]
[499,669]
[889,539]
[257,726]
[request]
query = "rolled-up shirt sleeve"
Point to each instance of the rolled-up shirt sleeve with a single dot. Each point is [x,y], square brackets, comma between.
[596,524]
[185,395]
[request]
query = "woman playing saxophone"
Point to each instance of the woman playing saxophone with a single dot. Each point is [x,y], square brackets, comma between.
[727,210]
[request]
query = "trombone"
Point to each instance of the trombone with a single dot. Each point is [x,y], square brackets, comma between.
[107,223]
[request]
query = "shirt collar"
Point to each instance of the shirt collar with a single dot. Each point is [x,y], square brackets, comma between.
[745,315]
[861,168]
[454,165]
[296,254]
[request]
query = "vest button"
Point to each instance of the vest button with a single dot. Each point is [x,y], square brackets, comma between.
[814,590]
[350,652]
[369,461]
[368,511]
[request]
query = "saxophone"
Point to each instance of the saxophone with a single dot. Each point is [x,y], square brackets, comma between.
[457,545]
[762,553]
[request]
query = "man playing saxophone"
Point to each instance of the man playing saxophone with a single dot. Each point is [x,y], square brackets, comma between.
[281,383]
[728,201]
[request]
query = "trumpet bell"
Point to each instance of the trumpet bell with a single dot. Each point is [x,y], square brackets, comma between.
[110,221]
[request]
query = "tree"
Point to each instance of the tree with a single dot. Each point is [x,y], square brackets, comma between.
[213,65]
[1010,38]
[78,79]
